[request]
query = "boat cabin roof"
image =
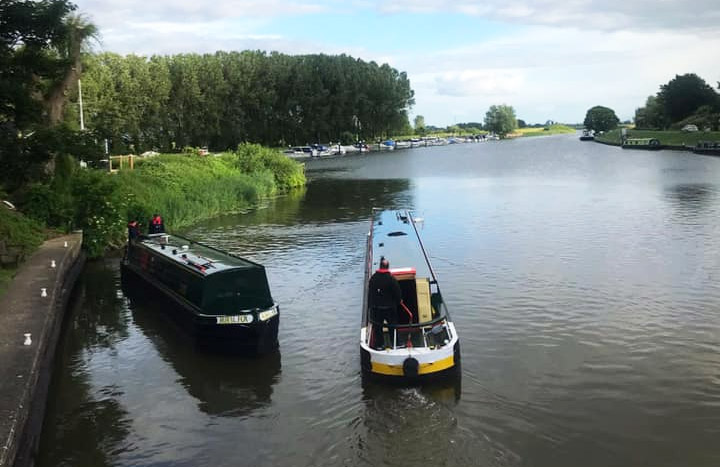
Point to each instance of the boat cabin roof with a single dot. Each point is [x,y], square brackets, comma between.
[395,238]
[202,258]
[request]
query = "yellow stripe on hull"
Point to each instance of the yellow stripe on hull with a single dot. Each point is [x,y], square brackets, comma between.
[424,368]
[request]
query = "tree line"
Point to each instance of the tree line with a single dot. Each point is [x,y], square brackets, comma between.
[685,100]
[220,100]
[166,103]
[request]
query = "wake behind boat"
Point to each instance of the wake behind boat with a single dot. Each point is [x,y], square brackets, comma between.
[421,340]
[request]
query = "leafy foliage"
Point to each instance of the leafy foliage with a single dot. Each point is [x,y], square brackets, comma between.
[601,118]
[685,99]
[221,100]
[685,94]
[20,231]
[500,119]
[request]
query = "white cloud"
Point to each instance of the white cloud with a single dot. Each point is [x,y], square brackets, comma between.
[591,14]
[469,82]
[553,73]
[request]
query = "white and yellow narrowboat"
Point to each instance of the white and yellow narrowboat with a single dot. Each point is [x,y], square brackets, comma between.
[422,343]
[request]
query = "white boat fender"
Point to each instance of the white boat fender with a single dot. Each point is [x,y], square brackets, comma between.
[411,367]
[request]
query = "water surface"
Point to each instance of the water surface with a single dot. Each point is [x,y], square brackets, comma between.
[583,280]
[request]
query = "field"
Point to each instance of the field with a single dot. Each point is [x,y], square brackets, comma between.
[551,130]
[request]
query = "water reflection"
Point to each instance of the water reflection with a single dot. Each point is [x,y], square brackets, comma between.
[327,201]
[691,199]
[87,424]
[223,385]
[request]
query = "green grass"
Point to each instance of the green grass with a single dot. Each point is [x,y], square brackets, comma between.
[17,231]
[6,276]
[183,188]
[552,130]
[669,137]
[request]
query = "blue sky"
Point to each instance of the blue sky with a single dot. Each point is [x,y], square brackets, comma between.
[549,59]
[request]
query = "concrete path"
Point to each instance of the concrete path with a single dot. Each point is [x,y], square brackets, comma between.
[25,363]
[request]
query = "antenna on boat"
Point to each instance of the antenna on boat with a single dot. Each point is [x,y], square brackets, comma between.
[422,247]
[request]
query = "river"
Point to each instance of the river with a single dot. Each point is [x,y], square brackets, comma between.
[584,281]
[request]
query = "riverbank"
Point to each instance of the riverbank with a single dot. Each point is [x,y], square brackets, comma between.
[31,315]
[680,140]
[185,188]
[543,131]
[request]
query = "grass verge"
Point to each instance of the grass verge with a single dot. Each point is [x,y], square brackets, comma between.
[668,138]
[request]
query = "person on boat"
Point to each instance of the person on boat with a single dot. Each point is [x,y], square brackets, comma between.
[384,298]
[133,230]
[156,225]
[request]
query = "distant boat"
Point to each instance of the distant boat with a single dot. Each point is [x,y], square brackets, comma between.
[587,135]
[710,148]
[642,143]
[301,151]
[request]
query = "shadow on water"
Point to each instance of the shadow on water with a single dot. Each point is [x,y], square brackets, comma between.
[224,384]
[85,425]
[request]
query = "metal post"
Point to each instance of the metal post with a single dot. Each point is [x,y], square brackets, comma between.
[82,120]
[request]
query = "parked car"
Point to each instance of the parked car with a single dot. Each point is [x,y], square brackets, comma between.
[690,128]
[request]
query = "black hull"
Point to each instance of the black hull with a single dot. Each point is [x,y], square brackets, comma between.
[255,339]
[707,152]
[644,147]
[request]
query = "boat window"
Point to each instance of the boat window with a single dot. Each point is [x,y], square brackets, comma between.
[396,234]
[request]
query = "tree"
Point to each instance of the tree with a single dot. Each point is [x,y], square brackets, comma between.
[652,116]
[685,94]
[419,125]
[33,37]
[521,123]
[500,119]
[78,31]
[601,118]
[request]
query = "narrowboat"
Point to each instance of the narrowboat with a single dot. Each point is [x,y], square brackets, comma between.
[218,297]
[709,148]
[641,143]
[587,135]
[422,343]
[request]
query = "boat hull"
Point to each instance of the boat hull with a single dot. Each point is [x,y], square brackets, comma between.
[411,365]
[260,337]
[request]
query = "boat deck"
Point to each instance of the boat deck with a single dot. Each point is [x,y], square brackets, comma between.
[195,255]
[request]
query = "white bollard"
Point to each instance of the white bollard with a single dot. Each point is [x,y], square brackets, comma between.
[65,245]
[43,292]
[52,263]
[28,341]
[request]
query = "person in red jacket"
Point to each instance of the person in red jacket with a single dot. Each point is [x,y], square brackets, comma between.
[156,225]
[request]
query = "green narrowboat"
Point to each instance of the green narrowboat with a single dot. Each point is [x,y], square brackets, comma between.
[219,297]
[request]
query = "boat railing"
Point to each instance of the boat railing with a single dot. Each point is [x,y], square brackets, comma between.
[431,334]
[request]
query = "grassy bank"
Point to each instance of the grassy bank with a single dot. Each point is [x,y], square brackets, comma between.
[19,237]
[551,130]
[183,188]
[670,137]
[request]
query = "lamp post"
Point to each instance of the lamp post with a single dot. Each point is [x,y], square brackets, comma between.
[82,120]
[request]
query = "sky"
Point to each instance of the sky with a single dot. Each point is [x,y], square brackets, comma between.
[549,59]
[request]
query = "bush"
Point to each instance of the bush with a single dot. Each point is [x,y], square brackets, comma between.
[19,231]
